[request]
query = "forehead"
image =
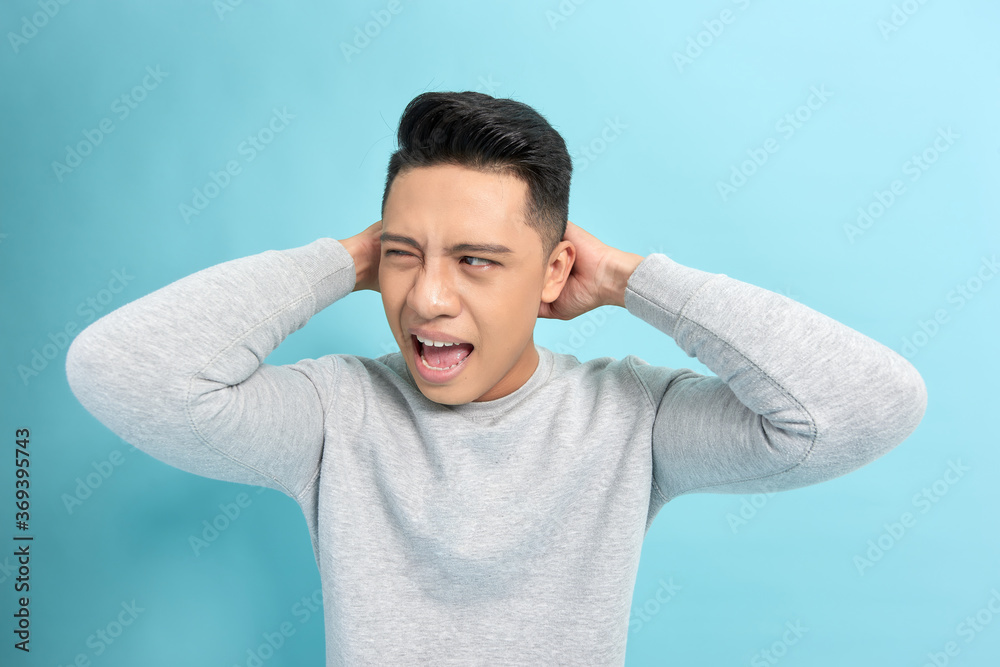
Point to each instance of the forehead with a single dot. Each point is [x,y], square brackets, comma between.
[448,200]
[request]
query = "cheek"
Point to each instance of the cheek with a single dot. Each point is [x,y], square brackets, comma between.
[508,315]
[391,285]
[392,303]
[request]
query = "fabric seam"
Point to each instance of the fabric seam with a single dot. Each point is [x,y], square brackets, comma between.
[189,393]
[784,392]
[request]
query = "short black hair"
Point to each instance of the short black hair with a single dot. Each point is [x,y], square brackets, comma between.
[481,132]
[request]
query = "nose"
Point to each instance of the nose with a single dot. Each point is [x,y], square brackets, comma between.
[433,292]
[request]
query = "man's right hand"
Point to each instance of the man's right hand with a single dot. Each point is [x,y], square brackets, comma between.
[366,249]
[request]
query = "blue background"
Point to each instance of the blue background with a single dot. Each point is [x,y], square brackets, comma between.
[652,136]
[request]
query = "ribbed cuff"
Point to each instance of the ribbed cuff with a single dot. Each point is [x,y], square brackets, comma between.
[658,289]
[328,267]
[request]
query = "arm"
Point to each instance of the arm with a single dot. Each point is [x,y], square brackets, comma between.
[179,372]
[798,398]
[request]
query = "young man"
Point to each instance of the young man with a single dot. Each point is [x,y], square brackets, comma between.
[476,498]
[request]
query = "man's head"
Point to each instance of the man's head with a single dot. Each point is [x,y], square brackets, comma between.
[471,169]
[489,134]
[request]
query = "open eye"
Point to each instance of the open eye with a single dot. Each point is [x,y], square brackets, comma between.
[486,262]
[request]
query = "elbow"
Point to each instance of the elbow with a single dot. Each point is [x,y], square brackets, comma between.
[917,401]
[878,416]
[885,411]
[905,401]
[103,374]
[83,367]
[77,361]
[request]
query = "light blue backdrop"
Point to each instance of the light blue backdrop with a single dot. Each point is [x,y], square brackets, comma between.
[739,137]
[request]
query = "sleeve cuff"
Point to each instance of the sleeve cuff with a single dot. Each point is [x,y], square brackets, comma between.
[659,288]
[327,267]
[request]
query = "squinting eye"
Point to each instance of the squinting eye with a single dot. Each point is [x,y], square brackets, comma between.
[485,262]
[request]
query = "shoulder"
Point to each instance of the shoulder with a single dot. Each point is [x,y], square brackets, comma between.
[352,368]
[630,374]
[604,375]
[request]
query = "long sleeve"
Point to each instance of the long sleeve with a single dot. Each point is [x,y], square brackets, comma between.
[179,373]
[798,398]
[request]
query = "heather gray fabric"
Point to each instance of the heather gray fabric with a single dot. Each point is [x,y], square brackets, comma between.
[506,532]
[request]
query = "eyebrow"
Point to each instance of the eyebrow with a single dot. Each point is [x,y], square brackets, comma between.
[483,248]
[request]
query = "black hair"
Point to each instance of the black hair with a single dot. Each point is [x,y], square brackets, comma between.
[481,132]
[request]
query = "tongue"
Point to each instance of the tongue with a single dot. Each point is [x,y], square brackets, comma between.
[448,355]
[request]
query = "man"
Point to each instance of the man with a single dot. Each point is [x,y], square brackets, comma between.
[476,498]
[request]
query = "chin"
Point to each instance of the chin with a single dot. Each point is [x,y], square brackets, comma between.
[442,395]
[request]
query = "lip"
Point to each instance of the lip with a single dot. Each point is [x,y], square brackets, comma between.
[429,374]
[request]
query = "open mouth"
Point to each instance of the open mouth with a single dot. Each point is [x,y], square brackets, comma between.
[444,358]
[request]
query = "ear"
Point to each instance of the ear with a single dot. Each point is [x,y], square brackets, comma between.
[557,270]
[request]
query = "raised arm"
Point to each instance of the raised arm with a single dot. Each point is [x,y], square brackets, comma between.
[798,398]
[179,372]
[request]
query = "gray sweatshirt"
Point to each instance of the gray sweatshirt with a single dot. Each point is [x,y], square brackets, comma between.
[504,532]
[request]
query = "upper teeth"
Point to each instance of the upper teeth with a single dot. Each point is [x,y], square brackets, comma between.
[435,343]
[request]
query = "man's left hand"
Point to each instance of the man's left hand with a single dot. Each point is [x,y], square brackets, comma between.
[597,278]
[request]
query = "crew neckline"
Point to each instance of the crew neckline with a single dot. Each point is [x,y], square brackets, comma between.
[486,409]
